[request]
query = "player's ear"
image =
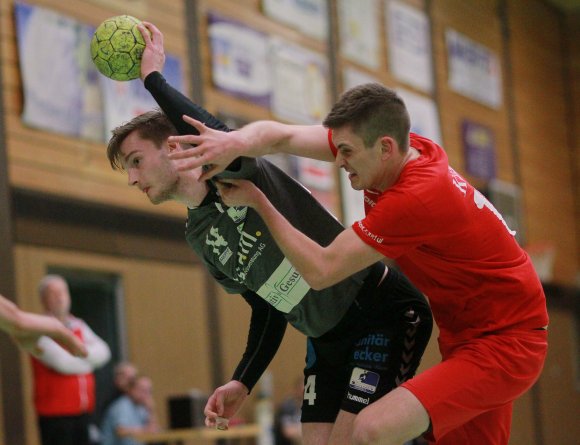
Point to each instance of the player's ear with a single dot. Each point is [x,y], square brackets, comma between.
[173,146]
[387,146]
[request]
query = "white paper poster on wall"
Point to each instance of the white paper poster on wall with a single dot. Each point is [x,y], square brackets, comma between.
[474,70]
[299,83]
[61,90]
[309,16]
[124,100]
[424,114]
[358,24]
[239,56]
[409,42]
[351,77]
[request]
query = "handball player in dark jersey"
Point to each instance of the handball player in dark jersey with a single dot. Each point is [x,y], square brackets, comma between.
[365,334]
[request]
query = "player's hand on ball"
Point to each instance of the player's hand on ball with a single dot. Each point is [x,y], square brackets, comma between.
[153,58]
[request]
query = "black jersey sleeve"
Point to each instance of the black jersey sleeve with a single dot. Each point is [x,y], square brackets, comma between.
[175,105]
[267,328]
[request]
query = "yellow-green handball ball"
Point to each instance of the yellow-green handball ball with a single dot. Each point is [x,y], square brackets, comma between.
[117,47]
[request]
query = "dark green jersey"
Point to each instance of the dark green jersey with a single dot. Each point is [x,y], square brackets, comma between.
[238,249]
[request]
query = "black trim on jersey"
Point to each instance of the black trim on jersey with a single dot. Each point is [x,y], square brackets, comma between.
[175,105]
[267,326]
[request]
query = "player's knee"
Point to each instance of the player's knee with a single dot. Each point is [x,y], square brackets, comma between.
[370,429]
[366,431]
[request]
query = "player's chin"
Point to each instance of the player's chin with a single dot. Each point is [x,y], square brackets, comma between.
[355,183]
[156,200]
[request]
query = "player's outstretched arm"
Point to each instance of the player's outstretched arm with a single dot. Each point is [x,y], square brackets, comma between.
[26,328]
[255,139]
[320,266]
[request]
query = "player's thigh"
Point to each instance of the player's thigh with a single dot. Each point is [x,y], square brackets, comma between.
[489,428]
[480,375]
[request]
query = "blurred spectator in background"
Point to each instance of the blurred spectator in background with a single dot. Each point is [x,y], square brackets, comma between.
[131,413]
[64,385]
[287,426]
[123,374]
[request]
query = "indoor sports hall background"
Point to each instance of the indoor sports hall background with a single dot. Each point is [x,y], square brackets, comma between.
[496,81]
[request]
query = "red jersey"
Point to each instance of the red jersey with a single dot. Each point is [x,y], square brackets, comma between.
[455,247]
[57,394]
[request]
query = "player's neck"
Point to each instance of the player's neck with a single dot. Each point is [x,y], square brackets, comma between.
[191,192]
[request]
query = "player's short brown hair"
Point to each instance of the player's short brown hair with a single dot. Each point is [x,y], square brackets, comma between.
[153,125]
[372,110]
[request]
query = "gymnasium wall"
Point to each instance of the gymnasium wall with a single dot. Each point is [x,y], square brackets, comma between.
[170,332]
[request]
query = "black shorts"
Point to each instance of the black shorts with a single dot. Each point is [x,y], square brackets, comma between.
[376,346]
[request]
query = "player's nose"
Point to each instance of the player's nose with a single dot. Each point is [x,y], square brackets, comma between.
[131,178]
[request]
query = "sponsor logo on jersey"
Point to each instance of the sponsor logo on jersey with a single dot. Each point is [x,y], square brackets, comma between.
[369,201]
[367,232]
[458,181]
[358,399]
[372,348]
[285,288]
[363,380]
[237,214]
[215,240]
[246,252]
[226,255]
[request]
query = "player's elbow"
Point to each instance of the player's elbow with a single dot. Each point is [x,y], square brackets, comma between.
[318,279]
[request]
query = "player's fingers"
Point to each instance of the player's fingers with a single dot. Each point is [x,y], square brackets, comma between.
[219,406]
[154,30]
[191,139]
[221,423]
[199,126]
[210,172]
[190,164]
[142,27]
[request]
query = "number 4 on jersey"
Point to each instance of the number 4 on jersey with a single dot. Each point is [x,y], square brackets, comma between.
[310,389]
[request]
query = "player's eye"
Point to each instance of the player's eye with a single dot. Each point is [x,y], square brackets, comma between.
[135,162]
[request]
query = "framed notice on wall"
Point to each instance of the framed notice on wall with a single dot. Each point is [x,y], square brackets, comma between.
[60,82]
[474,70]
[410,45]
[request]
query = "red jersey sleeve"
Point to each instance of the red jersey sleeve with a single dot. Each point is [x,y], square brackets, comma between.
[331,144]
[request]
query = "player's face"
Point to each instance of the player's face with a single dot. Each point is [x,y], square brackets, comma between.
[363,164]
[149,168]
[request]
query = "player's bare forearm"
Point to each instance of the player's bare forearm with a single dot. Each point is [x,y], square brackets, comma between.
[219,149]
[309,257]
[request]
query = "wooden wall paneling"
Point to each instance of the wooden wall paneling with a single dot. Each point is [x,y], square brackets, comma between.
[11,422]
[537,55]
[482,25]
[165,319]
[558,393]
[573,75]
[67,166]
